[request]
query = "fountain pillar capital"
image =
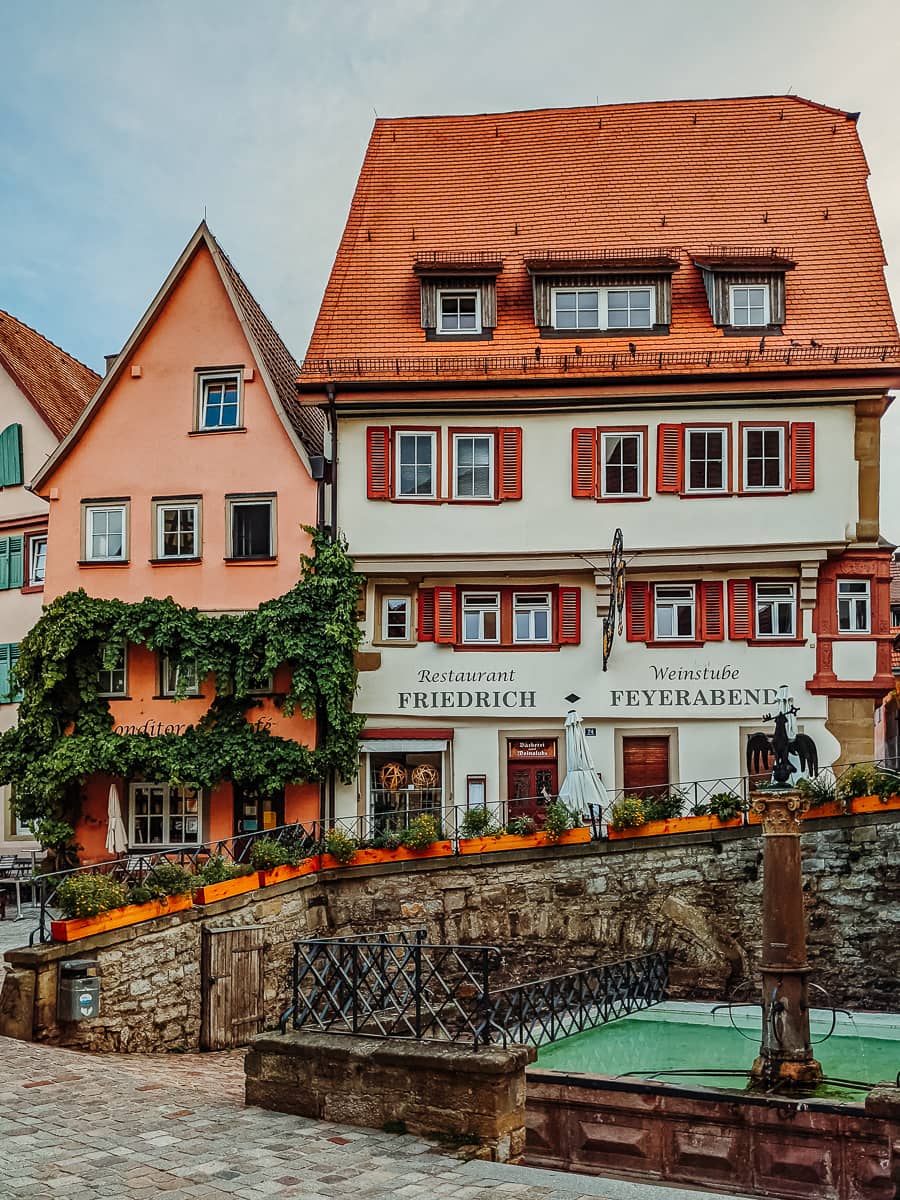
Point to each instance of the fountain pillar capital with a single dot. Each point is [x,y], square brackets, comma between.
[781,810]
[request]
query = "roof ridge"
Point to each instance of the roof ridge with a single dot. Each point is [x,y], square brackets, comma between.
[49,341]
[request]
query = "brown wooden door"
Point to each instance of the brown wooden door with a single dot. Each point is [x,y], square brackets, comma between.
[645,765]
[231,965]
[526,785]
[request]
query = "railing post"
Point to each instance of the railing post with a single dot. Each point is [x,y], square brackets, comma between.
[417,985]
[486,1007]
[354,984]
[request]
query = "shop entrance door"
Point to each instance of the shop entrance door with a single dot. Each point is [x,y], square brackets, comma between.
[532,774]
[253,813]
[645,765]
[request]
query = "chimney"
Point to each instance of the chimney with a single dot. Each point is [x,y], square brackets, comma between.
[110,359]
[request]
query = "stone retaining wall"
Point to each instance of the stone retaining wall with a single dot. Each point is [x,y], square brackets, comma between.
[697,896]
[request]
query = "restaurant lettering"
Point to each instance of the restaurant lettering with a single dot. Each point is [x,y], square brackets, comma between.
[162,728]
[495,699]
[686,698]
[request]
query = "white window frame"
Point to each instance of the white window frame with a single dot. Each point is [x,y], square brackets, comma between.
[233,502]
[853,600]
[726,442]
[169,675]
[204,380]
[90,512]
[766,289]
[112,670]
[689,594]
[165,797]
[615,434]
[546,606]
[491,439]
[432,438]
[459,292]
[164,506]
[759,601]
[36,541]
[603,294]
[482,596]
[406,601]
[782,460]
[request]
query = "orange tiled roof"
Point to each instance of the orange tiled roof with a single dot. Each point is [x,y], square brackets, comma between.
[759,174]
[58,385]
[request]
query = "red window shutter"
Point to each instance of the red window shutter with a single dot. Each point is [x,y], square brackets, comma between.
[803,456]
[638,612]
[509,464]
[670,458]
[712,618]
[426,615]
[378,462]
[740,609]
[569,616]
[584,463]
[445,614]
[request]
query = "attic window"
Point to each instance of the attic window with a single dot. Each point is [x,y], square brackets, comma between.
[458,295]
[745,288]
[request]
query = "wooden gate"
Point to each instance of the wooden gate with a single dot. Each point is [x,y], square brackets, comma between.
[231,977]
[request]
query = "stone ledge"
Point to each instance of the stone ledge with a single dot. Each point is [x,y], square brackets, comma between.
[398,1052]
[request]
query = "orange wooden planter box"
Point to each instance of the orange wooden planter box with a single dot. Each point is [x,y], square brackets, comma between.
[828,808]
[211,892]
[867,804]
[280,874]
[371,857]
[531,841]
[677,825]
[117,918]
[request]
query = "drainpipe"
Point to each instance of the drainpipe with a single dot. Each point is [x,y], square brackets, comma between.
[333,427]
[327,788]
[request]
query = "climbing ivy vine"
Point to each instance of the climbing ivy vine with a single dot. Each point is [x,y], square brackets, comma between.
[65,729]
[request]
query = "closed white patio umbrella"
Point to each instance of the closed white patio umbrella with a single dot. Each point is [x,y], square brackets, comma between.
[582,785]
[116,837]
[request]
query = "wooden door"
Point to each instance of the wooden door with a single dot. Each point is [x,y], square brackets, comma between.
[526,783]
[645,765]
[231,978]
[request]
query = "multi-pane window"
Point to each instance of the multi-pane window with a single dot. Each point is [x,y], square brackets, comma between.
[705,454]
[112,678]
[179,677]
[531,617]
[775,610]
[854,606]
[177,530]
[764,459]
[622,464]
[220,403]
[750,305]
[395,618]
[459,312]
[105,533]
[673,605]
[473,466]
[164,815]
[603,308]
[481,617]
[37,560]
[252,533]
[415,464]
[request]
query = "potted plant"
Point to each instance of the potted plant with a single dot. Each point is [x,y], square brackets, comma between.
[277,861]
[218,879]
[420,839]
[823,799]
[481,834]
[340,849]
[94,903]
[869,789]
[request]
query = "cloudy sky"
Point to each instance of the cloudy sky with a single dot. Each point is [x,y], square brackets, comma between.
[122,120]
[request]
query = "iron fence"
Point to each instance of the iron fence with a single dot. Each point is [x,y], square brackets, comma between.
[395,984]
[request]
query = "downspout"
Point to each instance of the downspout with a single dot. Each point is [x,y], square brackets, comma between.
[328,787]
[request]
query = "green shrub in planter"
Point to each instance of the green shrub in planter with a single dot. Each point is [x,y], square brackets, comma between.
[521,826]
[168,879]
[478,822]
[724,805]
[819,790]
[867,781]
[390,839]
[663,808]
[340,845]
[421,832]
[266,854]
[558,820]
[218,869]
[627,813]
[86,895]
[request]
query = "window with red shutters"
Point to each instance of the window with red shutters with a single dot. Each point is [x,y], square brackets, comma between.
[712,612]
[803,456]
[638,612]
[378,462]
[670,458]
[445,615]
[740,609]
[584,463]
[509,464]
[425,623]
[569,616]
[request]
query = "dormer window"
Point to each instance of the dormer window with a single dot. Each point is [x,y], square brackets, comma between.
[459,311]
[458,294]
[745,288]
[604,308]
[749,305]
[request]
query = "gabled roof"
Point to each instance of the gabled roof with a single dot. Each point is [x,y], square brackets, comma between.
[55,383]
[277,366]
[745,174]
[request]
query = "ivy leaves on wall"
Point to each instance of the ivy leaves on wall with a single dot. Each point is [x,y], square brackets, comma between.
[65,729]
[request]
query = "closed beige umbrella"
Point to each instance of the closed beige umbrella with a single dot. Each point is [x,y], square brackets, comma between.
[116,837]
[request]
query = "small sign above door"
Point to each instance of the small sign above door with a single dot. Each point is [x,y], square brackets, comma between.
[532,748]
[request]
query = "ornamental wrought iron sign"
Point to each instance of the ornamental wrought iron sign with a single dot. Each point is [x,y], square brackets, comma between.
[612,622]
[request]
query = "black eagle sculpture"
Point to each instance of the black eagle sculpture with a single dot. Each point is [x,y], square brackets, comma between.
[760,746]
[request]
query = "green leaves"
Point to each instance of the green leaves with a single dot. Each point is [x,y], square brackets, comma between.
[64,731]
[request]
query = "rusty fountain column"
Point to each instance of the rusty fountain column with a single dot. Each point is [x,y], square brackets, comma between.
[785,1055]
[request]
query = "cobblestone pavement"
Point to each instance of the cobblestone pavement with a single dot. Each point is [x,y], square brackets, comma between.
[134,1127]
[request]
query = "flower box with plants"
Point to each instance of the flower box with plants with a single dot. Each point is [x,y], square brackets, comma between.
[276,862]
[220,879]
[653,816]
[97,903]
[481,833]
[420,839]
[868,788]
